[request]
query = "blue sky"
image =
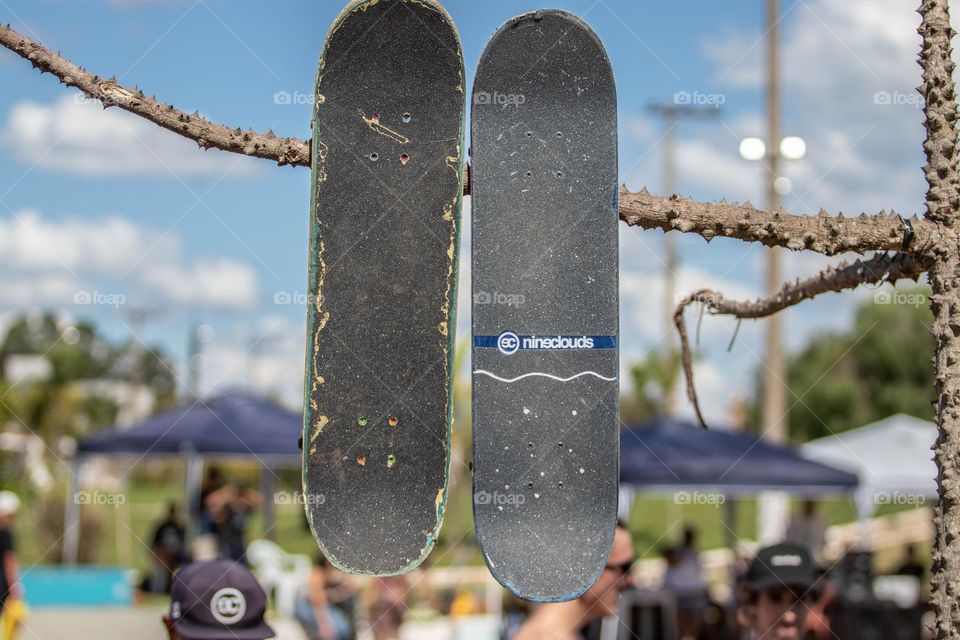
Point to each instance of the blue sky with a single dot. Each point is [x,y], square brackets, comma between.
[96,202]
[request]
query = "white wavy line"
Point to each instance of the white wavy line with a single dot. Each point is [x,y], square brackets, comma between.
[545,375]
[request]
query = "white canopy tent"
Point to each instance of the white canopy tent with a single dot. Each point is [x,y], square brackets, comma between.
[893,458]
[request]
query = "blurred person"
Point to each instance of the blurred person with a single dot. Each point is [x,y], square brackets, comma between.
[342,593]
[777,593]
[807,528]
[320,619]
[388,605]
[216,600]
[11,591]
[203,507]
[684,579]
[563,620]
[168,551]
[207,510]
[240,504]
[515,613]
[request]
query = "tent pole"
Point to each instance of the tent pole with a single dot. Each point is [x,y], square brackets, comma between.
[267,487]
[193,478]
[730,536]
[71,514]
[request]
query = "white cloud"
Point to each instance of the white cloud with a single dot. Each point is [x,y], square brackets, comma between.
[76,135]
[48,262]
[29,242]
[267,358]
[218,282]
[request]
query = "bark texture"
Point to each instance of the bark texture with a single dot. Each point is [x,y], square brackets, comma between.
[940,146]
[208,135]
[822,233]
[878,269]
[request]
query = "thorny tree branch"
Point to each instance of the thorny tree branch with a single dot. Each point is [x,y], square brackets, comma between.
[209,135]
[822,233]
[878,269]
[943,207]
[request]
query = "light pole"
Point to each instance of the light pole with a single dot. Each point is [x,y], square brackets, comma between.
[670,114]
[774,507]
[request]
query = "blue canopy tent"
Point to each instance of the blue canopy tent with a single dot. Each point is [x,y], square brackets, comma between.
[671,454]
[232,425]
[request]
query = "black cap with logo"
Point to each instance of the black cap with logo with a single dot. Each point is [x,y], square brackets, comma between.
[782,565]
[218,600]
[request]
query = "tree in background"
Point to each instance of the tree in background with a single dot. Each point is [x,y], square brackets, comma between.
[55,403]
[651,379]
[878,367]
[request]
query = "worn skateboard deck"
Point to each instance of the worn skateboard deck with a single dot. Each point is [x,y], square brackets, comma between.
[385,207]
[545,308]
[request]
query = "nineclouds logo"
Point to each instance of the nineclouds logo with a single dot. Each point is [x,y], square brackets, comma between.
[509,342]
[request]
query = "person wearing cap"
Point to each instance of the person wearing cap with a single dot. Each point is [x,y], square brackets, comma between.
[216,600]
[564,620]
[9,572]
[777,592]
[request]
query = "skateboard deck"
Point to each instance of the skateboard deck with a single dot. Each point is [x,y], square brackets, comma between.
[545,306]
[386,191]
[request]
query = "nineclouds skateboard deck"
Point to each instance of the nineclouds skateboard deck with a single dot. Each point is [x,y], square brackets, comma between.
[545,306]
[387,179]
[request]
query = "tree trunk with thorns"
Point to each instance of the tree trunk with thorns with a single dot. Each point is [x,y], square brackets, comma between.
[929,245]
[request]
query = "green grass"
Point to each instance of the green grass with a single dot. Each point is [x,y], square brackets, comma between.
[655,522]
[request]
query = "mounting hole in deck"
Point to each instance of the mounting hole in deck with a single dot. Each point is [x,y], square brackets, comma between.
[374,157]
[404,158]
[529,174]
[529,134]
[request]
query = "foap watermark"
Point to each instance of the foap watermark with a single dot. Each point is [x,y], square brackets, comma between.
[499,499]
[700,99]
[911,99]
[913,299]
[481,98]
[99,498]
[293,97]
[298,497]
[699,498]
[899,498]
[114,300]
[293,297]
[497,297]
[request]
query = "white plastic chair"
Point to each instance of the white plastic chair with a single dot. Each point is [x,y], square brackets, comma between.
[283,574]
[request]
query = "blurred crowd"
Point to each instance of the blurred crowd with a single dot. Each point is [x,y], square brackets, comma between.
[783,591]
